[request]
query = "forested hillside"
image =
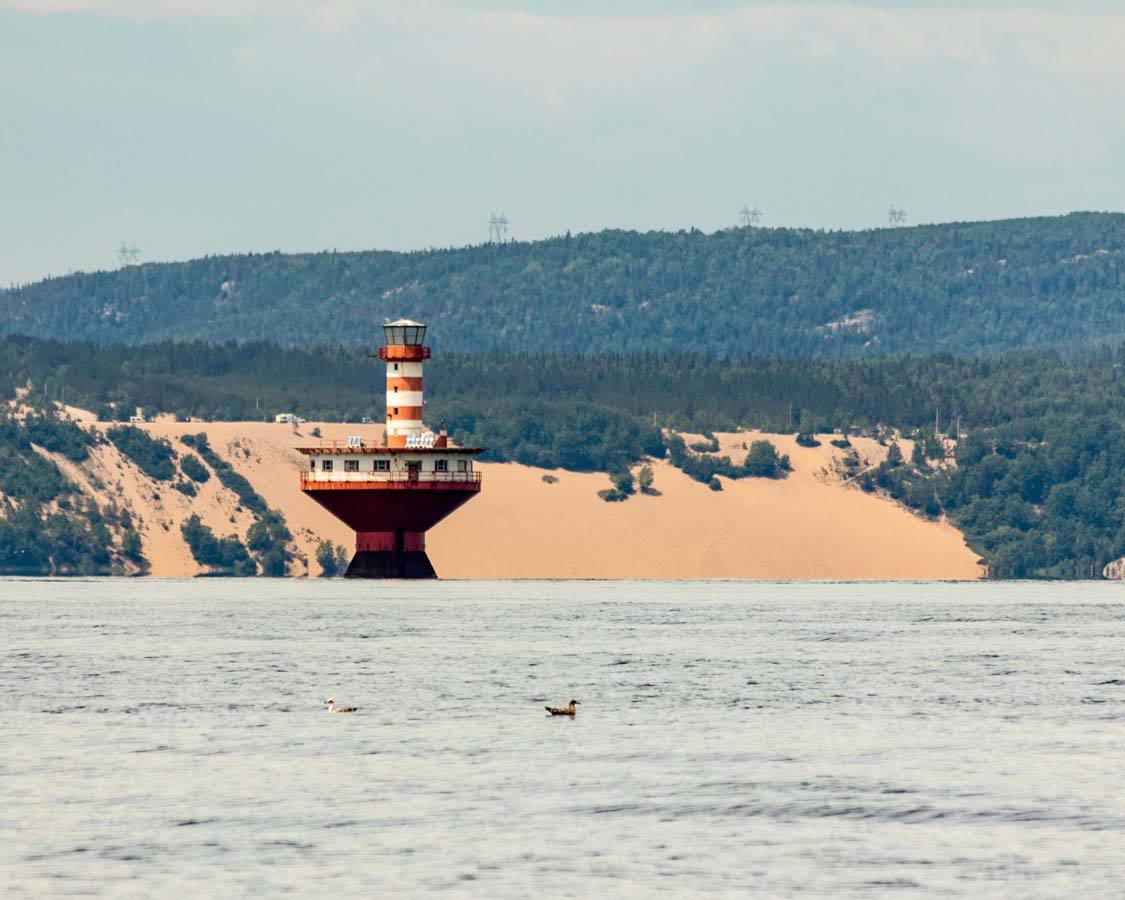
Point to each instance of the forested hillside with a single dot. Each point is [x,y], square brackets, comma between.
[47,527]
[65,510]
[965,288]
[683,391]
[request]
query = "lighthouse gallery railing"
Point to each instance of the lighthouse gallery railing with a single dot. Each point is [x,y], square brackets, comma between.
[314,478]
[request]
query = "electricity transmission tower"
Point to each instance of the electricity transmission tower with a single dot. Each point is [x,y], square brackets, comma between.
[497,228]
[128,255]
[748,218]
[896,216]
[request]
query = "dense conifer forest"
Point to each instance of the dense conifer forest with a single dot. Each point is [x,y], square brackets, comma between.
[964,288]
[687,392]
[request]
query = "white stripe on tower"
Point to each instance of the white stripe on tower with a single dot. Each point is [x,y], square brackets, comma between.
[404,398]
[404,370]
[406,402]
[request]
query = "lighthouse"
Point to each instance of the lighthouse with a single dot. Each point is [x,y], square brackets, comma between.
[392,491]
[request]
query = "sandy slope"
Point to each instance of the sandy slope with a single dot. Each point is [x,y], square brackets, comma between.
[806,526]
[802,527]
[264,454]
[158,509]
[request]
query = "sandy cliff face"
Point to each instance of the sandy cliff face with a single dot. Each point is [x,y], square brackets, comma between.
[808,525]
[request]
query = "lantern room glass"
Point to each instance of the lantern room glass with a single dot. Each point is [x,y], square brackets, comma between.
[405,335]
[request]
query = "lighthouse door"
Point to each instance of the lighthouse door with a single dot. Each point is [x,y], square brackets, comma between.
[412,470]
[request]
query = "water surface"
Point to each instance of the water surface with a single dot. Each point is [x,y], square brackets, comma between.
[166,738]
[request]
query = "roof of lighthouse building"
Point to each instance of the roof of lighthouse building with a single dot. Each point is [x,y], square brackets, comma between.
[404,322]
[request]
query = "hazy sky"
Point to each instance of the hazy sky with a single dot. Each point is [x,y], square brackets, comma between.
[208,126]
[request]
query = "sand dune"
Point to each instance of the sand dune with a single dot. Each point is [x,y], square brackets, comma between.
[801,527]
[805,526]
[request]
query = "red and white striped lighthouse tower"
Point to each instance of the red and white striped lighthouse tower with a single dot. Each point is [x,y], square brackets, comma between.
[392,491]
[404,354]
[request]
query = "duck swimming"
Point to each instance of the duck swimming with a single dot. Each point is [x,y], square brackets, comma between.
[333,708]
[567,710]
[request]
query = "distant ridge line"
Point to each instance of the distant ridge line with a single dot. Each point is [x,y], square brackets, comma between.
[974,287]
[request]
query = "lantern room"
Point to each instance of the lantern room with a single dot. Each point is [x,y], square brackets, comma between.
[405,333]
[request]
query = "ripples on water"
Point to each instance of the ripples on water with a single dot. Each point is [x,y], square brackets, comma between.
[833,740]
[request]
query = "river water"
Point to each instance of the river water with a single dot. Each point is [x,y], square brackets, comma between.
[168,739]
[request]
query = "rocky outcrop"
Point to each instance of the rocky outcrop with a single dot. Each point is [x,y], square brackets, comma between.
[1115,571]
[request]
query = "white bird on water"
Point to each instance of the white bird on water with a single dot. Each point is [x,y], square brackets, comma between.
[333,708]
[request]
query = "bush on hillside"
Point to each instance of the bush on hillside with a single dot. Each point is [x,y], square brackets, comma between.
[332,559]
[624,482]
[227,475]
[226,556]
[58,436]
[709,444]
[194,469]
[762,461]
[646,480]
[153,457]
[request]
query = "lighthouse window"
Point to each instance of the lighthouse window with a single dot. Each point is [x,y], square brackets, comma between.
[326,465]
[396,367]
[312,465]
[351,465]
[382,465]
[462,465]
[441,465]
[396,410]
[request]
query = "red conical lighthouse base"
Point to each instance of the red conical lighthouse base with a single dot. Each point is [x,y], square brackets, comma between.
[391,515]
